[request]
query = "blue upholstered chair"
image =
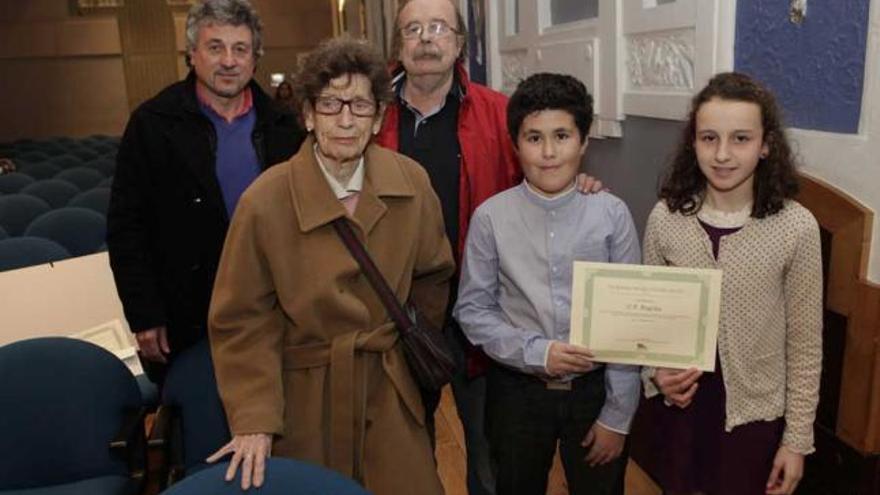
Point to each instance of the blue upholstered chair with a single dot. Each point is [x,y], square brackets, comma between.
[191,423]
[66,161]
[81,231]
[14,182]
[66,141]
[83,153]
[50,148]
[283,477]
[82,177]
[21,252]
[96,199]
[72,420]
[32,156]
[105,148]
[17,211]
[57,193]
[105,166]
[41,170]
[3,234]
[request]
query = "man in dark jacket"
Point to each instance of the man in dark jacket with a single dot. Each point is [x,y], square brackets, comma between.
[185,158]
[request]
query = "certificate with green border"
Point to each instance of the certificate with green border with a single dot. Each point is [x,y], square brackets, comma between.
[646,315]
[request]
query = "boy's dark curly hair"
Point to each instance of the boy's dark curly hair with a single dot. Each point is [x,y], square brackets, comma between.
[547,91]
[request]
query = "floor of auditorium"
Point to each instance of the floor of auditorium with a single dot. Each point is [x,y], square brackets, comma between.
[451,458]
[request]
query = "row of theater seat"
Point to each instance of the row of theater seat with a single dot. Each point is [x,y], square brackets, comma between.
[82,178]
[85,148]
[74,423]
[54,206]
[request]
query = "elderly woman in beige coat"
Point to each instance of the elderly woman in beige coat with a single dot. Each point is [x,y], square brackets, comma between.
[307,362]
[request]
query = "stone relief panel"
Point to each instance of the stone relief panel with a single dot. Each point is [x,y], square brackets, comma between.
[661,60]
[514,68]
[816,66]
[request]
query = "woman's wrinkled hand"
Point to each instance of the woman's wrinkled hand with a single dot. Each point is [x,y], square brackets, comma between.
[249,451]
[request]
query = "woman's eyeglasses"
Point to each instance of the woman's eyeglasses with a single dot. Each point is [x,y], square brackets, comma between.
[330,105]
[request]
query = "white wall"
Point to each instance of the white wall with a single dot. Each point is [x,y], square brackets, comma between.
[852,163]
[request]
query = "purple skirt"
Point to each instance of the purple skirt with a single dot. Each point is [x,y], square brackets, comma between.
[695,452]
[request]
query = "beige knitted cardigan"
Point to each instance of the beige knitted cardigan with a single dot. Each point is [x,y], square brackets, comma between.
[770,334]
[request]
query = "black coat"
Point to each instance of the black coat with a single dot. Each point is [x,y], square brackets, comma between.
[167,221]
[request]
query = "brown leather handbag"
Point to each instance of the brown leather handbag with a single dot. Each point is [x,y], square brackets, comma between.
[424,346]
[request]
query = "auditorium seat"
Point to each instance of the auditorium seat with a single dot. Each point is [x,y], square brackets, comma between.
[32,156]
[105,149]
[65,161]
[3,234]
[72,420]
[17,211]
[84,154]
[66,141]
[82,177]
[49,147]
[14,182]
[106,166]
[22,252]
[57,193]
[96,199]
[191,423]
[283,477]
[41,170]
[81,231]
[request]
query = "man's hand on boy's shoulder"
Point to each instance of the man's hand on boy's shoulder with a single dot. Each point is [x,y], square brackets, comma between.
[564,359]
[587,184]
[604,445]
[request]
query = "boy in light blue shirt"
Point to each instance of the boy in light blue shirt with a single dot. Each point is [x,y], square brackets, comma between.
[514,301]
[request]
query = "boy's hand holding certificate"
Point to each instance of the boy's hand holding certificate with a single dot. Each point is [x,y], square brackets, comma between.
[646,315]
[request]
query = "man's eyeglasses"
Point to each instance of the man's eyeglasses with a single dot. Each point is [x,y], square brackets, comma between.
[330,105]
[435,29]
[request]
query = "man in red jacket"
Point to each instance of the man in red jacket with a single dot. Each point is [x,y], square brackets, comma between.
[457,130]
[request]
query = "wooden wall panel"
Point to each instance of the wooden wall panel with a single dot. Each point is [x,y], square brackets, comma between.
[65,73]
[62,73]
[62,97]
[851,295]
[146,28]
[859,415]
[850,224]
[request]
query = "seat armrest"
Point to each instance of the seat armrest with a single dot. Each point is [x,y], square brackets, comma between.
[130,442]
[165,445]
[160,434]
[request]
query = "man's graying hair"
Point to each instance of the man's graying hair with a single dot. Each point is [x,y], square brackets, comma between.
[397,38]
[223,12]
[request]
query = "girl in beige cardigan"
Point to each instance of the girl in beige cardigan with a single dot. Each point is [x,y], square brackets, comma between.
[726,203]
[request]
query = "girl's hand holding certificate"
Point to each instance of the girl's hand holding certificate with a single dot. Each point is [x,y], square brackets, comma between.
[678,386]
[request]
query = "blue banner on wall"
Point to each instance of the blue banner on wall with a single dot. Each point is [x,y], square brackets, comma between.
[816,68]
